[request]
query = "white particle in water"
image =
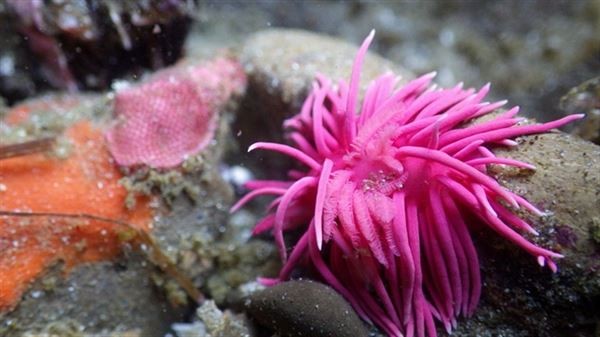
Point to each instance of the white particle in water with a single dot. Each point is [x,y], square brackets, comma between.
[237,175]
[446,37]
[7,65]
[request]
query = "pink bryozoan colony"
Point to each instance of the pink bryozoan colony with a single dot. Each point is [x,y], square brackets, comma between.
[172,115]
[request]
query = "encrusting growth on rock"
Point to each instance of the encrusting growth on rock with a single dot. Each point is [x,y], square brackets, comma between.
[88,183]
[173,115]
[388,196]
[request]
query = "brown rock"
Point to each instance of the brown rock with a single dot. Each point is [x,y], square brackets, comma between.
[519,297]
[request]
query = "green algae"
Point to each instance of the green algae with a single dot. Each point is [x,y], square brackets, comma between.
[221,265]
[168,185]
[62,328]
[175,294]
[222,324]
[51,115]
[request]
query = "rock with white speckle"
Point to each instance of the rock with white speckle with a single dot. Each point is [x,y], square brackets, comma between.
[305,308]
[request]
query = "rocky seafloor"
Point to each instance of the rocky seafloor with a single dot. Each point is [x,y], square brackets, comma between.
[532,52]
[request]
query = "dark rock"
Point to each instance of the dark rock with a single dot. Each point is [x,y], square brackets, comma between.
[99,298]
[87,44]
[305,308]
[16,81]
[585,98]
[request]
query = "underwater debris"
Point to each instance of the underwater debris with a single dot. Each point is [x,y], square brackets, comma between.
[403,171]
[25,148]
[173,115]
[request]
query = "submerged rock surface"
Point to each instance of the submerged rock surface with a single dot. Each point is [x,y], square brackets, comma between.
[305,308]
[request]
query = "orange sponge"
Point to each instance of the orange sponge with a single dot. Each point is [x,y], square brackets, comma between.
[85,182]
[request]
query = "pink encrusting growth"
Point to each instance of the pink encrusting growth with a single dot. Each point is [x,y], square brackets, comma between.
[173,114]
[389,194]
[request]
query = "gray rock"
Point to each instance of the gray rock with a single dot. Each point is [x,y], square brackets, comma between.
[510,43]
[305,308]
[286,61]
[102,298]
[585,98]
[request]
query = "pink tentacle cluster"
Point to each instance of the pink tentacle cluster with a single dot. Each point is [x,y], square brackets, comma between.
[388,195]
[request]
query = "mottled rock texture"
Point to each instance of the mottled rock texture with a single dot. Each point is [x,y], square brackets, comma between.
[103,298]
[305,308]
